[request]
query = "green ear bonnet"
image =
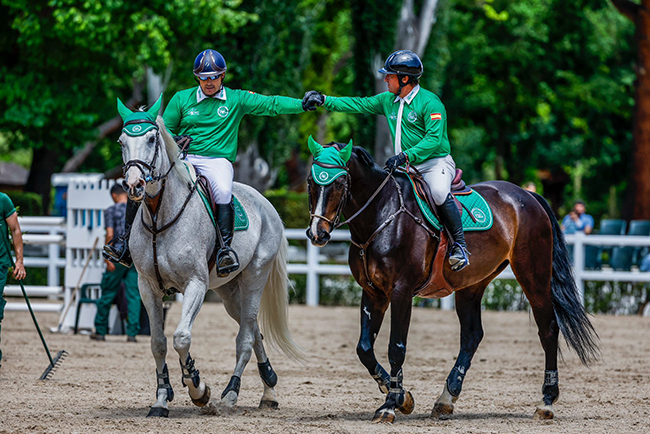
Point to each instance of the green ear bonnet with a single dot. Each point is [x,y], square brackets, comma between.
[139,122]
[329,155]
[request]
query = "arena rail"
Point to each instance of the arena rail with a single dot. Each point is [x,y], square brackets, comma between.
[52,231]
[313,267]
[48,231]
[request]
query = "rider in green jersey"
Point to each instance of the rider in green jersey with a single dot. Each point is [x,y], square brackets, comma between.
[418,123]
[210,114]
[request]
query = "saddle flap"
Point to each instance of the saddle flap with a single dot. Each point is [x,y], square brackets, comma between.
[422,190]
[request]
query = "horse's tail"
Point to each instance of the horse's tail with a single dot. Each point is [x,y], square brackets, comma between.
[569,311]
[275,306]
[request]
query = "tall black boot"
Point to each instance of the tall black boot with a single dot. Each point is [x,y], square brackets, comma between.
[117,249]
[448,212]
[227,260]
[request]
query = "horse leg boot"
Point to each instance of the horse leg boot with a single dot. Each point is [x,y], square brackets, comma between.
[193,297]
[117,249]
[227,260]
[397,397]
[267,374]
[372,315]
[448,212]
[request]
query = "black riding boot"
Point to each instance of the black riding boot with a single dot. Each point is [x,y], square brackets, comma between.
[227,260]
[448,212]
[117,249]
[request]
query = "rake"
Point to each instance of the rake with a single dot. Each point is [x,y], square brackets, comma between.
[56,361]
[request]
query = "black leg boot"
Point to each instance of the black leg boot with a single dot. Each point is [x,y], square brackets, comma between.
[117,249]
[227,260]
[448,212]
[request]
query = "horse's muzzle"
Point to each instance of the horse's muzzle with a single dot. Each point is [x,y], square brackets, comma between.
[321,238]
[135,190]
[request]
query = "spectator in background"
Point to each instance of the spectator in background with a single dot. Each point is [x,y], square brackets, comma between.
[578,220]
[530,186]
[9,221]
[115,274]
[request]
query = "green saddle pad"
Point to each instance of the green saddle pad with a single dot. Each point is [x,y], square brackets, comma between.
[241,218]
[472,202]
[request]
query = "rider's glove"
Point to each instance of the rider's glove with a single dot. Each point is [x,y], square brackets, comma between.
[394,162]
[312,100]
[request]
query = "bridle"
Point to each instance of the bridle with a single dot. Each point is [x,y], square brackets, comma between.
[335,222]
[363,247]
[147,169]
[153,203]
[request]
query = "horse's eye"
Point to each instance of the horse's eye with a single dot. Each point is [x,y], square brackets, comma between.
[151,139]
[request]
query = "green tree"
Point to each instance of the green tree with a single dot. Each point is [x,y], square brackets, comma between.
[64,62]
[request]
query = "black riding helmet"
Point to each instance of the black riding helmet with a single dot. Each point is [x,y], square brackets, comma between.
[404,63]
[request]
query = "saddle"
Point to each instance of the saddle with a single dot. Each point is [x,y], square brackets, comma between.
[437,285]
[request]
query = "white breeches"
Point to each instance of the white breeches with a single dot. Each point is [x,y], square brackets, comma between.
[219,173]
[438,174]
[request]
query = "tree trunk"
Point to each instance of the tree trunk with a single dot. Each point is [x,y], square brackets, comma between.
[40,174]
[639,190]
[412,34]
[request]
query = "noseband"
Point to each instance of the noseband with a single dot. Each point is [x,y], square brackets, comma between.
[335,222]
[147,169]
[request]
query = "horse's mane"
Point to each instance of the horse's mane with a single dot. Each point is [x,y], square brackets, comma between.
[172,151]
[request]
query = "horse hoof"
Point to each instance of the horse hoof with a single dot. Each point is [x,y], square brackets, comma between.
[202,401]
[384,416]
[409,404]
[158,412]
[230,399]
[267,403]
[442,411]
[544,412]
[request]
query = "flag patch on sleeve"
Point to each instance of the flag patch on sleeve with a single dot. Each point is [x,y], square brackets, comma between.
[436,116]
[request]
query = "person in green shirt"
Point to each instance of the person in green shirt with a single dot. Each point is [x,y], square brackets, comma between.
[9,222]
[210,114]
[418,123]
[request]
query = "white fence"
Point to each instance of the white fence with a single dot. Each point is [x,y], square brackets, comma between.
[48,231]
[85,225]
[313,266]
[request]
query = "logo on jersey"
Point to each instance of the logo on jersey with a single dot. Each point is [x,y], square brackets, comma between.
[393,116]
[222,111]
[193,112]
[412,117]
[436,116]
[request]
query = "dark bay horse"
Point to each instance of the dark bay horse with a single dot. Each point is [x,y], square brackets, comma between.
[392,253]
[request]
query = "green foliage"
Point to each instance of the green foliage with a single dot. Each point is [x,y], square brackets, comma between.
[63,62]
[616,297]
[27,204]
[546,86]
[293,207]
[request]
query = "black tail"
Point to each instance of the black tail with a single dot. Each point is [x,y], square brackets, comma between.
[569,311]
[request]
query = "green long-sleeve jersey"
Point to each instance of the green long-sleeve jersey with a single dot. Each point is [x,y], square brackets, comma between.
[213,123]
[424,120]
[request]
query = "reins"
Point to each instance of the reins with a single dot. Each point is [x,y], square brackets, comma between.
[363,247]
[152,203]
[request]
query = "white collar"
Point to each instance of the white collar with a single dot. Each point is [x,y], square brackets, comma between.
[200,96]
[408,98]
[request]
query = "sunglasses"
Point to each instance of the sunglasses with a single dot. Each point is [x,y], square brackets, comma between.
[212,77]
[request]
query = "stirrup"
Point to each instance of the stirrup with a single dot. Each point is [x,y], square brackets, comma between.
[123,257]
[458,263]
[227,253]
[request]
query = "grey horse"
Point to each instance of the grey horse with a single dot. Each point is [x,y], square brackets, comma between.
[172,239]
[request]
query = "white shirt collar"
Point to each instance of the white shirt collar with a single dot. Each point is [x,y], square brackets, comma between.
[200,96]
[408,98]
